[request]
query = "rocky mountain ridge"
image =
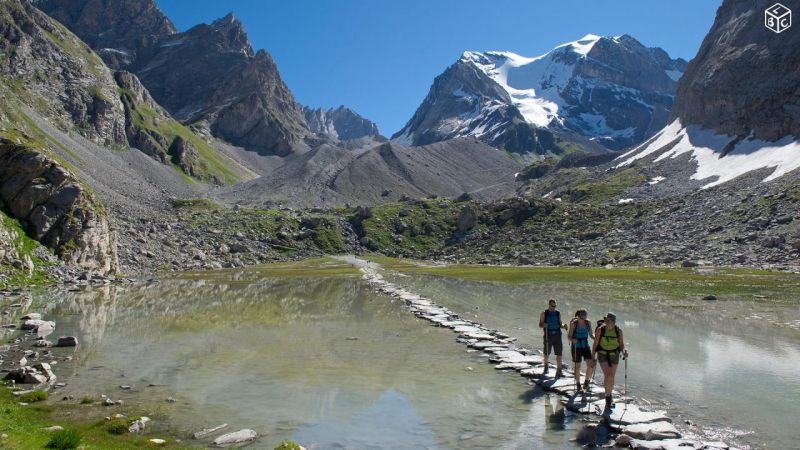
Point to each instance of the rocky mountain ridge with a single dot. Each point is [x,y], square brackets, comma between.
[594,93]
[737,112]
[339,123]
[208,75]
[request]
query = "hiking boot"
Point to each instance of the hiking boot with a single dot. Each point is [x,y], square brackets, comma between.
[609,403]
[559,373]
[586,385]
[546,369]
[578,387]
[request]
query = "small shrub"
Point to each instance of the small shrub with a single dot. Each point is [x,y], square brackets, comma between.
[87,400]
[288,445]
[118,426]
[34,396]
[64,440]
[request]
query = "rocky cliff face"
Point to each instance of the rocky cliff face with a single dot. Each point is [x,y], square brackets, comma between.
[208,74]
[610,90]
[737,112]
[744,78]
[57,210]
[119,30]
[339,123]
[53,71]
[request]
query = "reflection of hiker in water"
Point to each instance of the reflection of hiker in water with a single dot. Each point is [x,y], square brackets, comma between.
[554,418]
[550,322]
[580,330]
[608,346]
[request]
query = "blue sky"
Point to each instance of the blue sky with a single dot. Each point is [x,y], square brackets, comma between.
[379,57]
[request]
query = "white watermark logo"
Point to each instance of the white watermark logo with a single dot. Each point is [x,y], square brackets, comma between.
[778,18]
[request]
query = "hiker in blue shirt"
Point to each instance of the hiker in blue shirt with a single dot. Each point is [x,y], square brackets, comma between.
[580,330]
[550,322]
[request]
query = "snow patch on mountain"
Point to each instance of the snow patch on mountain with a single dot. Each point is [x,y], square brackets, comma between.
[533,83]
[719,156]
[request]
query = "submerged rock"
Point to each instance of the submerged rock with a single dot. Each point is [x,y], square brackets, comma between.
[237,437]
[67,341]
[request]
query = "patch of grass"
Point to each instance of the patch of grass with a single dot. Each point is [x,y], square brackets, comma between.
[288,445]
[76,49]
[199,204]
[668,283]
[24,426]
[413,228]
[213,165]
[65,440]
[24,246]
[33,397]
[118,426]
[87,400]
[328,237]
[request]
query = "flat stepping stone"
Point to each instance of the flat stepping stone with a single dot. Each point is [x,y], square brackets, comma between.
[622,415]
[454,323]
[671,444]
[579,404]
[488,344]
[536,372]
[512,366]
[496,349]
[480,336]
[561,385]
[468,329]
[511,356]
[652,431]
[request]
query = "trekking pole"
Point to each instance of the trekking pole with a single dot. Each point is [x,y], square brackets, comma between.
[626,383]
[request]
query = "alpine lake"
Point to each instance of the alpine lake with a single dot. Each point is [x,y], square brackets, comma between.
[312,353]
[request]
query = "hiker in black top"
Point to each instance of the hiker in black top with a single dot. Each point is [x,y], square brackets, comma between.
[550,322]
[609,344]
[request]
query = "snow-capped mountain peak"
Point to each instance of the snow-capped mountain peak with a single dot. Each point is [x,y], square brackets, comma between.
[579,86]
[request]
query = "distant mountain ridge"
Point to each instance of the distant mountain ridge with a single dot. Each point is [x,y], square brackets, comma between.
[208,75]
[612,91]
[339,123]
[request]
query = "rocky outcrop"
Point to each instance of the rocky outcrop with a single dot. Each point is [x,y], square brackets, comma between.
[118,29]
[56,209]
[208,74]
[744,78]
[339,123]
[52,70]
[608,90]
[10,253]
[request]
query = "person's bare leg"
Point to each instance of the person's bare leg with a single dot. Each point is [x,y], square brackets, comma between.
[612,374]
[589,372]
[578,374]
[608,377]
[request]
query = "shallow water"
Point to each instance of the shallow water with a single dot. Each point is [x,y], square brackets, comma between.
[278,356]
[329,363]
[728,366]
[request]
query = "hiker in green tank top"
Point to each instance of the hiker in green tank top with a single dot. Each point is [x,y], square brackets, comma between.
[609,344]
[580,330]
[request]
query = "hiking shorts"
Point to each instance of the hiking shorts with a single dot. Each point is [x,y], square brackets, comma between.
[552,341]
[584,353]
[612,357]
